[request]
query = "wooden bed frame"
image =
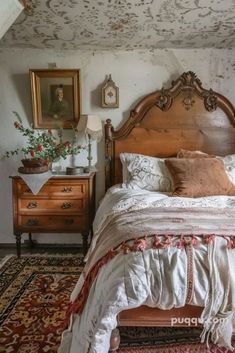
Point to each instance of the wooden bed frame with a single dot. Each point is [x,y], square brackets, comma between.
[184,116]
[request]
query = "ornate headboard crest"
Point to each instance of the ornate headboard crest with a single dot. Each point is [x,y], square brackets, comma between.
[189,84]
[185,95]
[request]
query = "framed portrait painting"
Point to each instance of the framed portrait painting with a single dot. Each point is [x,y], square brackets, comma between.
[55,98]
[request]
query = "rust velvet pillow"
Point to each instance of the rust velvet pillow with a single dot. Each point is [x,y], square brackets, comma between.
[198,177]
[193,154]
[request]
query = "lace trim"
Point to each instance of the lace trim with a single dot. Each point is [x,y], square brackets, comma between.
[140,244]
[95,135]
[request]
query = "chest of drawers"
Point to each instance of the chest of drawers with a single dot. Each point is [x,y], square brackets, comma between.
[65,204]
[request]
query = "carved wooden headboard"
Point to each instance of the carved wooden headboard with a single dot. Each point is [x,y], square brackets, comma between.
[184,116]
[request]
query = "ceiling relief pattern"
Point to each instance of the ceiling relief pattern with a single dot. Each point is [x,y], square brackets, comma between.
[124,24]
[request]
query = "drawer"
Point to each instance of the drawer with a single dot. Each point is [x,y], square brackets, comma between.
[56,189]
[63,206]
[52,223]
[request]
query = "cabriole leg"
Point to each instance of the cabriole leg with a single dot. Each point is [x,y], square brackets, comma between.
[31,243]
[114,341]
[18,244]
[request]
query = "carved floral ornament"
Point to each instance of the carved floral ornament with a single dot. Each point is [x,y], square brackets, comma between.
[188,101]
[210,100]
[163,101]
[189,79]
[188,85]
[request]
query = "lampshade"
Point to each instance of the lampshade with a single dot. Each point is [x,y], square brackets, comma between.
[90,125]
[9,10]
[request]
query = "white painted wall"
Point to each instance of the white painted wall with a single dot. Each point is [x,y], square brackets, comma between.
[135,72]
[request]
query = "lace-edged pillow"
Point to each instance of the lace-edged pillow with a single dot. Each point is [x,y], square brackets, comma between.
[229,163]
[145,172]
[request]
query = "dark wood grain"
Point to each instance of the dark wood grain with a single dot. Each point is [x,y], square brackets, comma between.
[154,317]
[63,205]
[189,117]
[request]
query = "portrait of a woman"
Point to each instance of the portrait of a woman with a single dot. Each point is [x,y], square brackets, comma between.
[59,106]
[55,98]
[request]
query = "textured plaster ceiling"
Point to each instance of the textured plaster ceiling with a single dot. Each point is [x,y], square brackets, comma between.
[124,24]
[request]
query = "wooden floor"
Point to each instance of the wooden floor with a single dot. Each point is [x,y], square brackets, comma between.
[41,249]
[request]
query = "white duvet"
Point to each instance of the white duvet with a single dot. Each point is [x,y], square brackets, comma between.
[156,277]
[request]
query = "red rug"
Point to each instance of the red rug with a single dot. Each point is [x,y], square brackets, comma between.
[34,297]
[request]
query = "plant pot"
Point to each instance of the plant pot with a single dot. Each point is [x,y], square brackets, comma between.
[33,166]
[33,162]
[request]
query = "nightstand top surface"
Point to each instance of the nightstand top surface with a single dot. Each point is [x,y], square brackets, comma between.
[62,176]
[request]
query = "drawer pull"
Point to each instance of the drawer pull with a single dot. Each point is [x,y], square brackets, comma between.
[32,204]
[67,189]
[66,205]
[32,222]
[69,221]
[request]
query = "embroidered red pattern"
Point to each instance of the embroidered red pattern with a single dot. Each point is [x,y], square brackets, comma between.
[160,241]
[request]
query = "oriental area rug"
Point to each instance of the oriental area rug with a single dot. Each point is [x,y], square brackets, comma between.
[34,297]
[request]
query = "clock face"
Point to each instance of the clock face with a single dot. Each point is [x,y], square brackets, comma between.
[110,96]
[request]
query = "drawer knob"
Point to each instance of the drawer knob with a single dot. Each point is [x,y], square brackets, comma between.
[32,204]
[66,205]
[32,222]
[67,189]
[69,221]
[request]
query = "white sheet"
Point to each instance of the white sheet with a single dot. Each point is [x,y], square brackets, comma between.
[154,277]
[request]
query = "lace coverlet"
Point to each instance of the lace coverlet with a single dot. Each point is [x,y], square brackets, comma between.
[152,249]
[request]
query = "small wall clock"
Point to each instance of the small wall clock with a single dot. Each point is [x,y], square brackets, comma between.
[110,94]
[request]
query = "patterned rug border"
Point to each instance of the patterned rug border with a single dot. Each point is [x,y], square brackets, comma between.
[5,259]
[182,348]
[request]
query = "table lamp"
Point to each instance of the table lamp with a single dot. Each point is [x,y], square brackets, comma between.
[90,126]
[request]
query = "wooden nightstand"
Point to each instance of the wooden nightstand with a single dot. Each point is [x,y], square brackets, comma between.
[65,204]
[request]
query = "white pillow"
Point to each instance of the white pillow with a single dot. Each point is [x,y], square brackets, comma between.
[229,163]
[145,172]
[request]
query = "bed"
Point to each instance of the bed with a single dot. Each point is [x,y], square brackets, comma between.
[184,117]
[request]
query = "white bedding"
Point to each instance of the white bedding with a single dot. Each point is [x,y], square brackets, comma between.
[121,199]
[156,277]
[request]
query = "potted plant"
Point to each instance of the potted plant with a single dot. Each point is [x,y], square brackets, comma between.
[42,147]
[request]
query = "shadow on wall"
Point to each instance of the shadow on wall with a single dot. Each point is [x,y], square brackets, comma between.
[100,166]
[8,167]
[22,85]
[95,96]
[165,85]
[95,102]
[127,113]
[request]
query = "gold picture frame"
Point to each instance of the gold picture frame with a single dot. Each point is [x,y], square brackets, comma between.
[55,98]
